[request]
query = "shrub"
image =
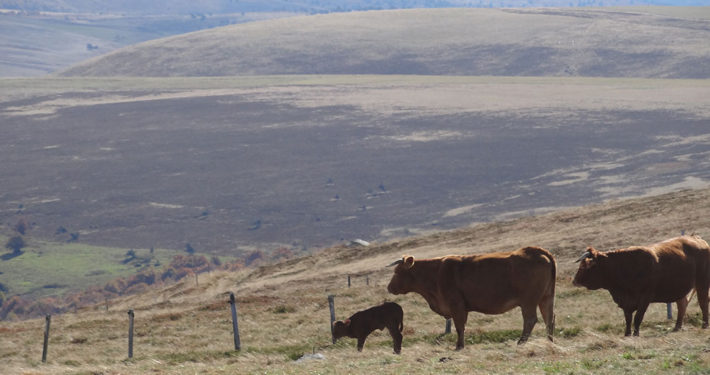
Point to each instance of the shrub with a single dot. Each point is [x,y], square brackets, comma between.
[254,256]
[15,244]
[21,226]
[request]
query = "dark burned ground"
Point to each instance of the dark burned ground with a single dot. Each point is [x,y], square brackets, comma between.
[225,172]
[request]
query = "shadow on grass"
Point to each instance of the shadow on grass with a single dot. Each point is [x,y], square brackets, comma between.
[477,337]
[9,256]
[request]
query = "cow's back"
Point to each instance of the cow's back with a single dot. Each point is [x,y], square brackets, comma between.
[497,282]
[377,317]
[682,263]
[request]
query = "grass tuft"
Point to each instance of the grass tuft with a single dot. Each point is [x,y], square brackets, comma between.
[282,309]
[592,364]
[569,332]
[295,356]
[609,328]
[497,336]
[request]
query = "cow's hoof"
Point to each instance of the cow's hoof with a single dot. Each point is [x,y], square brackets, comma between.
[459,347]
[705,325]
[676,329]
[524,340]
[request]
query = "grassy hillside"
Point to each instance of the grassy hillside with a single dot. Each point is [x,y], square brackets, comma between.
[54,268]
[283,311]
[46,36]
[303,6]
[37,43]
[233,164]
[599,42]
[403,154]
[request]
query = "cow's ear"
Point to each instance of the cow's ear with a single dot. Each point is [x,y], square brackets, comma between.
[408,261]
[347,322]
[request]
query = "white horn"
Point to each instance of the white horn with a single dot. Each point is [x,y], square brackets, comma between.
[400,261]
[584,256]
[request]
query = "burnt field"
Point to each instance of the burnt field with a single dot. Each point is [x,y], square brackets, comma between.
[311,165]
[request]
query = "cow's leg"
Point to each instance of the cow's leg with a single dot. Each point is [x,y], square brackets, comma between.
[460,324]
[360,343]
[548,314]
[703,302]
[638,318]
[529,320]
[396,338]
[628,313]
[682,305]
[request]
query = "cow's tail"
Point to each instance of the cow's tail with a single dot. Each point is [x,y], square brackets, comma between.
[549,298]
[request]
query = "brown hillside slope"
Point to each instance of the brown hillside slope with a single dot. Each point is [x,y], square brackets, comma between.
[510,42]
[185,328]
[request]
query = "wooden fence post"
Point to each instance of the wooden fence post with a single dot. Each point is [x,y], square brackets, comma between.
[331,304]
[130,333]
[447,330]
[367,280]
[348,281]
[48,319]
[235,324]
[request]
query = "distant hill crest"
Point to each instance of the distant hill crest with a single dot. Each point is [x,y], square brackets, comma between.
[600,42]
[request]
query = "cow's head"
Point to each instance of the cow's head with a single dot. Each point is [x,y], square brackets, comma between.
[402,279]
[590,273]
[341,328]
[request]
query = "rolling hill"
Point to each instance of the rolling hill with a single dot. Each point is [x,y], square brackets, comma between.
[443,148]
[38,43]
[164,7]
[233,164]
[594,42]
[283,311]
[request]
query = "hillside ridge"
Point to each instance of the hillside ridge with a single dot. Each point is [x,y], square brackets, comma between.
[186,328]
[566,233]
[501,42]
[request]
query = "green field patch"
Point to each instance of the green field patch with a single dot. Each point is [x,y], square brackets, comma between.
[51,269]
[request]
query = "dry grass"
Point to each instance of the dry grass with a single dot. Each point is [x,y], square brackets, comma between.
[509,42]
[283,313]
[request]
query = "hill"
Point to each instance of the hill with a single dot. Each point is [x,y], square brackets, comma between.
[38,43]
[234,164]
[209,7]
[598,42]
[283,311]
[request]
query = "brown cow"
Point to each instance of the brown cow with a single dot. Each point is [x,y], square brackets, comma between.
[639,275]
[362,323]
[491,284]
